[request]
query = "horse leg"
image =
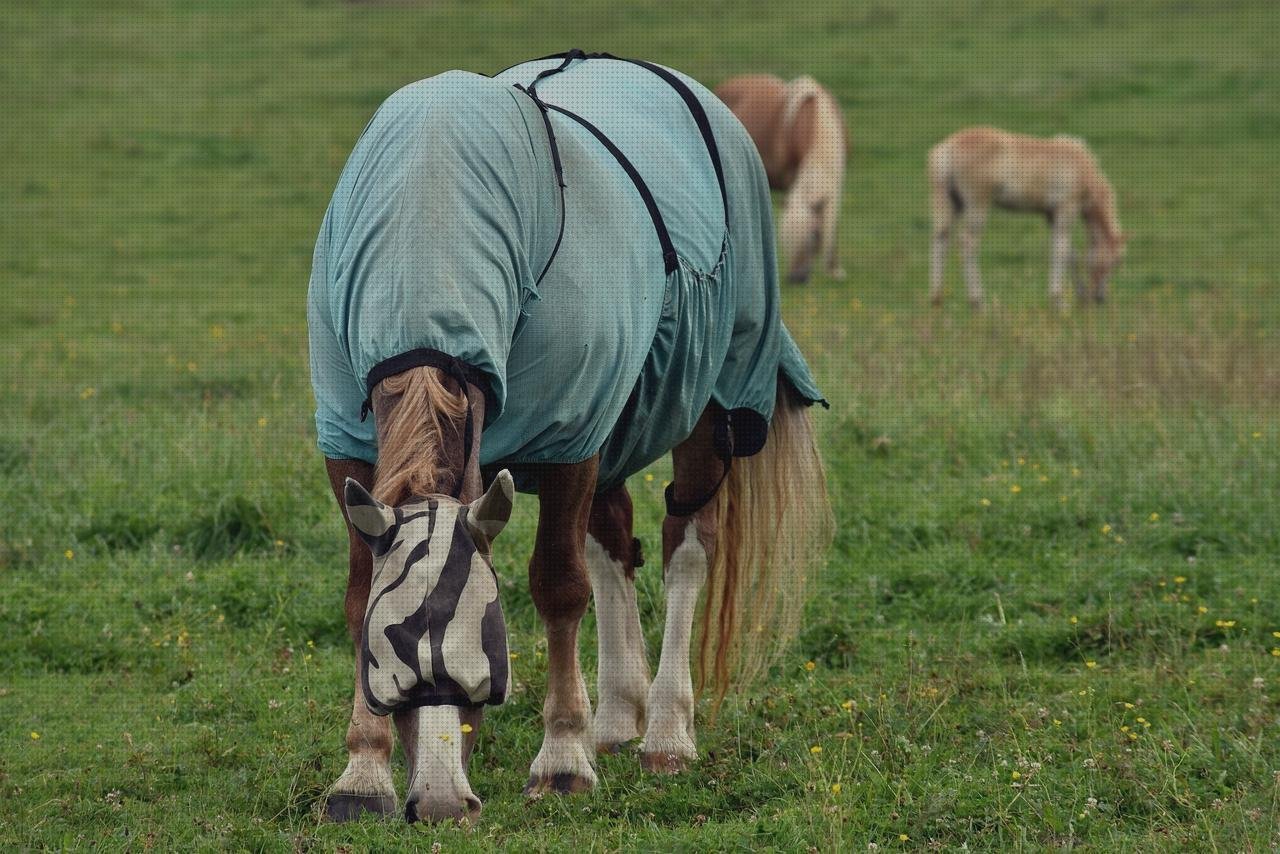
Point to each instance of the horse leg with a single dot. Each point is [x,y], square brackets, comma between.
[1059,255]
[366,784]
[623,673]
[688,542]
[944,216]
[560,587]
[970,237]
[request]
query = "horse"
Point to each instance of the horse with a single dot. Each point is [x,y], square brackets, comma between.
[800,134]
[542,282]
[1060,178]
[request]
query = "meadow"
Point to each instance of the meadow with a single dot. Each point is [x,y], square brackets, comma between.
[1051,616]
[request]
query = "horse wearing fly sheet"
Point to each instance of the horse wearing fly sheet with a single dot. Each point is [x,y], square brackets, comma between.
[544,281]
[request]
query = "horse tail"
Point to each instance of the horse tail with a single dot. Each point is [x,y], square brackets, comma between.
[411,410]
[774,526]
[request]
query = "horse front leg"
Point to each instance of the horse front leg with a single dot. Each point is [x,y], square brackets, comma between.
[688,544]
[623,671]
[559,584]
[366,784]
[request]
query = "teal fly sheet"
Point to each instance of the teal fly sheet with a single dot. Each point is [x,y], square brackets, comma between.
[593,247]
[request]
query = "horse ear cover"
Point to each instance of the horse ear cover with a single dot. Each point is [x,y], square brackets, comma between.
[369,516]
[489,513]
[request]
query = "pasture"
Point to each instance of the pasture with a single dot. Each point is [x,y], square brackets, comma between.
[1051,617]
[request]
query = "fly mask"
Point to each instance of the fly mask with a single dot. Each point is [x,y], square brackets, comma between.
[433,629]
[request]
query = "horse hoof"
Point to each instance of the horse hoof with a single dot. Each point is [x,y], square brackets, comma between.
[564,783]
[663,763]
[340,808]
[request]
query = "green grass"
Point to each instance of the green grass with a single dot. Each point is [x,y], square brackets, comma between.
[171,562]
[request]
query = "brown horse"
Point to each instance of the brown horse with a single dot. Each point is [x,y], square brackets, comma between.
[1059,178]
[711,375]
[800,134]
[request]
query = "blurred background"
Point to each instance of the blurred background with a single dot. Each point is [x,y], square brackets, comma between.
[1049,617]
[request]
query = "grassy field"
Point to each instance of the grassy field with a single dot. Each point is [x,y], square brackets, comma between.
[1050,617]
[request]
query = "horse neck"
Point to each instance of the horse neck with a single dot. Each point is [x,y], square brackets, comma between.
[1100,212]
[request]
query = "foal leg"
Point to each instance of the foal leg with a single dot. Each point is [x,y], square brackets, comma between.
[1059,255]
[944,215]
[623,673]
[688,542]
[561,589]
[970,236]
[366,784]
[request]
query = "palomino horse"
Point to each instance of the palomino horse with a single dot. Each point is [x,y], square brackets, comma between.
[566,270]
[800,134]
[973,169]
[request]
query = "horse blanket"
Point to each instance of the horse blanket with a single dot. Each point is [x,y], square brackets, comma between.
[593,247]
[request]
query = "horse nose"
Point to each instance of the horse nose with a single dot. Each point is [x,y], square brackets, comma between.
[467,808]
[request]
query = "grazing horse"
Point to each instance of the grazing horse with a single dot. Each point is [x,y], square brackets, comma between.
[564,271]
[799,131]
[976,168]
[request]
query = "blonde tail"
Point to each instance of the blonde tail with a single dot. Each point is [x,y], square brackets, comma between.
[774,528]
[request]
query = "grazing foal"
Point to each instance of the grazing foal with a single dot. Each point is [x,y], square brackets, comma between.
[799,131]
[976,168]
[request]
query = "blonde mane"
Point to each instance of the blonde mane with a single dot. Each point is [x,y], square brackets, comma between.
[413,410]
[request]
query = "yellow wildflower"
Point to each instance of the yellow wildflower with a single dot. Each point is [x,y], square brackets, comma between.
[648,478]
[69,554]
[1202,609]
[810,666]
[262,422]
[1130,706]
[847,705]
[816,749]
[1181,579]
[35,736]
[1017,775]
[835,788]
[1015,489]
[466,728]
[986,502]
[902,837]
[88,393]
[1154,517]
[1091,664]
[1106,528]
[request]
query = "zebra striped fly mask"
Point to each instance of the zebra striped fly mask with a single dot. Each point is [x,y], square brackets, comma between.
[433,628]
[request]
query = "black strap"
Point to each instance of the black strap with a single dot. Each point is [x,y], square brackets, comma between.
[559,168]
[686,94]
[722,442]
[669,257]
[458,370]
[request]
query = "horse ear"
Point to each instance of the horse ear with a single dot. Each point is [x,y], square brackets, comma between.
[489,513]
[369,516]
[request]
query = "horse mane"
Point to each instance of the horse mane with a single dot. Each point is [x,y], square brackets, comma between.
[1102,206]
[413,410]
